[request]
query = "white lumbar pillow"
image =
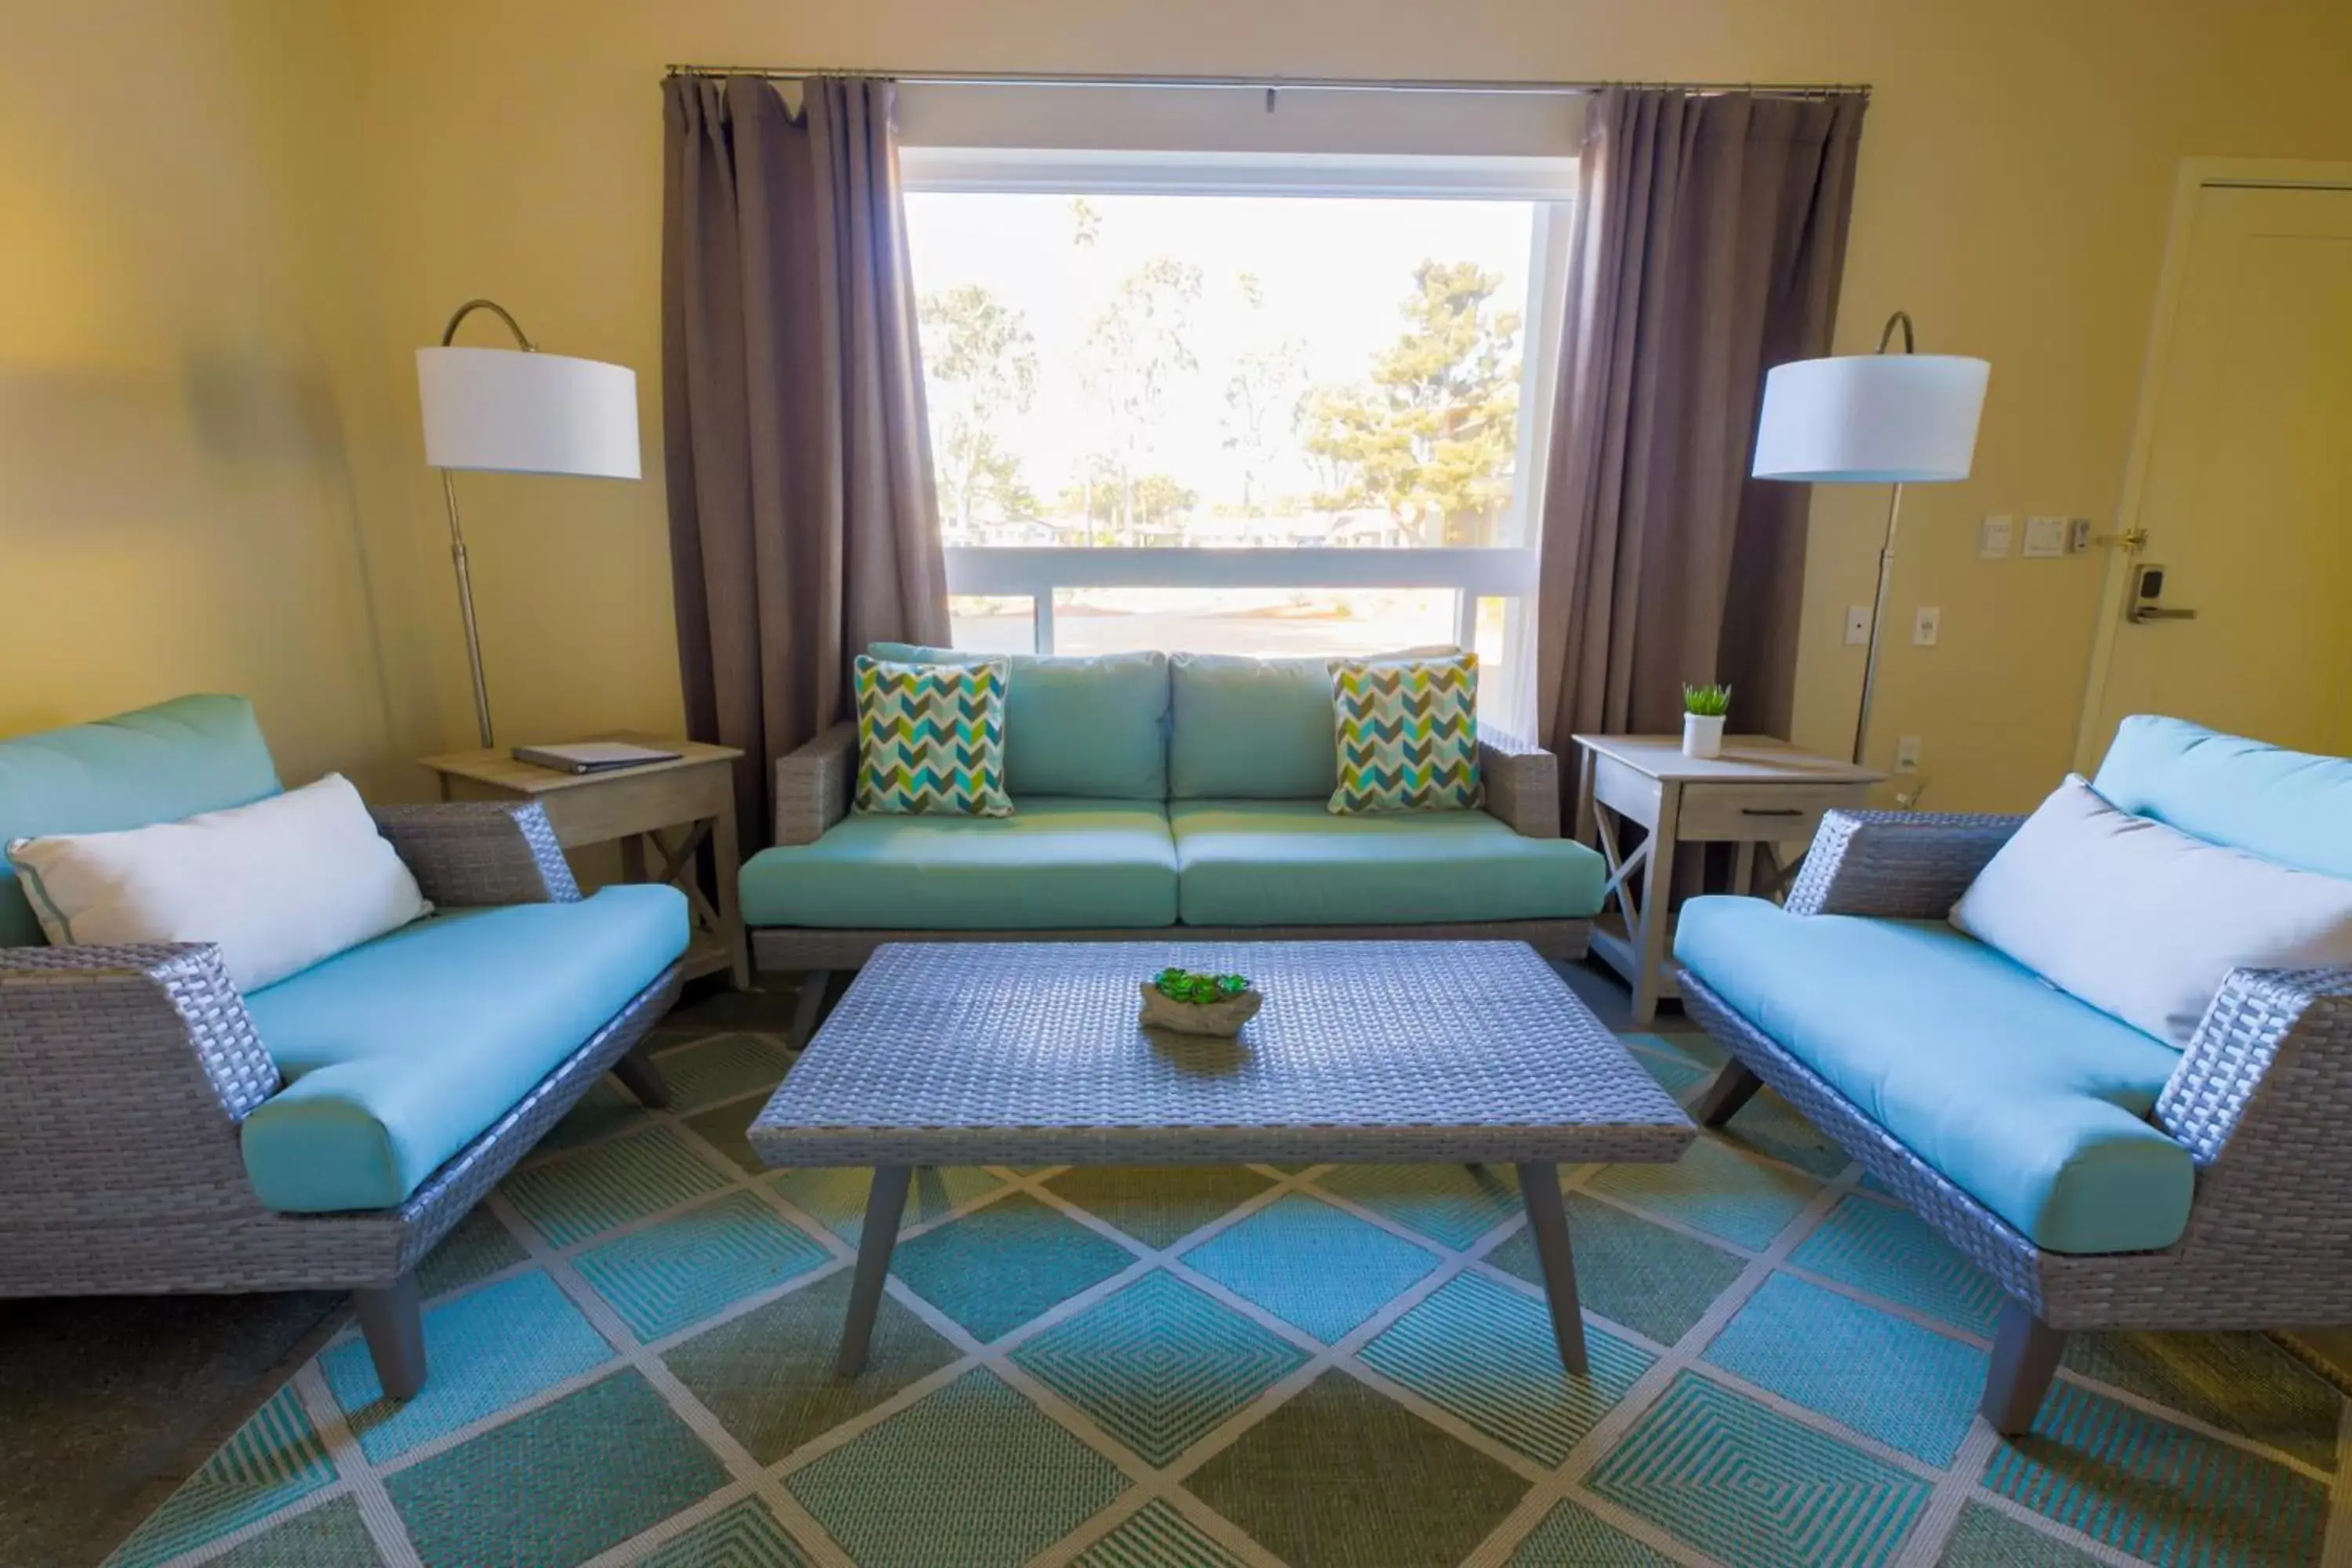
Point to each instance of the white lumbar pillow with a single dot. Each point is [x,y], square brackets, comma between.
[2142,920]
[279,885]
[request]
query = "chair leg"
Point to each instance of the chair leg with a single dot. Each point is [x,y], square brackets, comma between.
[393,1320]
[641,1078]
[2025,1354]
[1721,1101]
[808,1006]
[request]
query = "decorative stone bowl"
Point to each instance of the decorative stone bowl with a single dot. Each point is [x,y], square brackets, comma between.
[1223,1017]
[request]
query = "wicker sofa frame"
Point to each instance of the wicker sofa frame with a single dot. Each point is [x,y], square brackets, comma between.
[813,789]
[129,1069]
[2260,1099]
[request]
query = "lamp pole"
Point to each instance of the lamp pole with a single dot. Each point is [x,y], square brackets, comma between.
[457,527]
[1886,563]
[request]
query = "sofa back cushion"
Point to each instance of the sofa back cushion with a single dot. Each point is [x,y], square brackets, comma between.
[157,764]
[1091,727]
[280,885]
[2288,807]
[2143,921]
[1255,728]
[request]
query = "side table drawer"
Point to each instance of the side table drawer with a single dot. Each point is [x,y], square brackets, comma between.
[1781,813]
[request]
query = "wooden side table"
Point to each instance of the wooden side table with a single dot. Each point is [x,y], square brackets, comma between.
[1760,794]
[659,814]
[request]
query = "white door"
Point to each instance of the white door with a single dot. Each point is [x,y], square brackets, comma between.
[2245,483]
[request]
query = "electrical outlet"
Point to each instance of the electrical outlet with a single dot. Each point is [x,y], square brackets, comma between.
[1994,537]
[1857,624]
[1926,626]
[2078,535]
[1906,754]
[2045,538]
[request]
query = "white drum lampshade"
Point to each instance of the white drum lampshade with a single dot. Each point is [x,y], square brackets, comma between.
[528,413]
[1871,420]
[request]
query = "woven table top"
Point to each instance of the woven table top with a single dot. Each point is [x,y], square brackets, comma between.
[1007,1053]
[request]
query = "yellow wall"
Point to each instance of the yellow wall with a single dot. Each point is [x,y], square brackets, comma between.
[179,472]
[2016,171]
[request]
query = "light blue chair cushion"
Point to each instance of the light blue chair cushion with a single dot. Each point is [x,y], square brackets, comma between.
[2288,807]
[1292,862]
[2022,1096]
[1094,727]
[1051,865]
[1250,729]
[404,1049]
[156,764]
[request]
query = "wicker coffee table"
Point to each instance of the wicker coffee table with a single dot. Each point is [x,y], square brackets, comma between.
[1029,1054]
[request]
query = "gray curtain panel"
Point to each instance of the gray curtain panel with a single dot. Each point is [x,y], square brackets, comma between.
[1710,233]
[802,520]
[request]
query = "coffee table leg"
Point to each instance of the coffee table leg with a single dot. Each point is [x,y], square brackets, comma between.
[1548,1219]
[884,1205]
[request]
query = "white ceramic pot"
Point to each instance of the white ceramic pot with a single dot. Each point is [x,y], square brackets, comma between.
[1702,734]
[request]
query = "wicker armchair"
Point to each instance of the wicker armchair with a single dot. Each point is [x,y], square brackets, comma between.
[125,1073]
[2260,1101]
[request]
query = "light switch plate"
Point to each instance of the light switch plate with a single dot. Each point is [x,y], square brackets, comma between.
[1926,626]
[2045,538]
[1906,754]
[1995,537]
[1857,624]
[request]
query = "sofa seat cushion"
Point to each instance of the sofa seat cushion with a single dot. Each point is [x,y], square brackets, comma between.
[2026,1098]
[1055,864]
[402,1050]
[1292,862]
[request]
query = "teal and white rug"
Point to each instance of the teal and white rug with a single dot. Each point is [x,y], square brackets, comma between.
[1330,1367]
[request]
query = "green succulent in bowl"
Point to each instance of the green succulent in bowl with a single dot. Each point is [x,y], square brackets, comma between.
[1191,985]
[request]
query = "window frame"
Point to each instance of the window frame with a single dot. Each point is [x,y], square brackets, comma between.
[1508,572]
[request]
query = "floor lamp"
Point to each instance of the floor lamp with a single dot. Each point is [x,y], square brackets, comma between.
[517,411]
[1899,418]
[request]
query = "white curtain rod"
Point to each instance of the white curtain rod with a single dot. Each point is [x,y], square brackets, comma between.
[1270,84]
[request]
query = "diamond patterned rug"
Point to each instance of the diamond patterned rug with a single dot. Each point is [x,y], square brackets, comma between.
[1328,1367]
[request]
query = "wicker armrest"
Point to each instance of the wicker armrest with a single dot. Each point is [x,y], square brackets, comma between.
[126,1070]
[1901,865]
[812,785]
[2276,1045]
[470,853]
[1522,783]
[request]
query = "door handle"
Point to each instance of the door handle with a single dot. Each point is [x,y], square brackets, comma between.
[2141,615]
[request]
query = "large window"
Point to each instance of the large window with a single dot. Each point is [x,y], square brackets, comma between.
[1235,405]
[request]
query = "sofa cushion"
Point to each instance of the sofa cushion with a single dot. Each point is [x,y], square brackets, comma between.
[2021,1096]
[1095,726]
[1283,862]
[931,738]
[157,764]
[400,1052]
[1407,731]
[2143,921]
[278,886]
[1255,728]
[2288,807]
[1055,864]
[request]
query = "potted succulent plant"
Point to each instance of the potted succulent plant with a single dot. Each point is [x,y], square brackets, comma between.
[1704,708]
[1196,1004]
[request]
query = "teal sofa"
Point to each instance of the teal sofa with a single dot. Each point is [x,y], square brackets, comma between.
[159,1131]
[1183,796]
[2105,1178]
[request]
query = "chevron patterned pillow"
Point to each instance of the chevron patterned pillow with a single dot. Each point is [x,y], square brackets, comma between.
[931,738]
[1408,733]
